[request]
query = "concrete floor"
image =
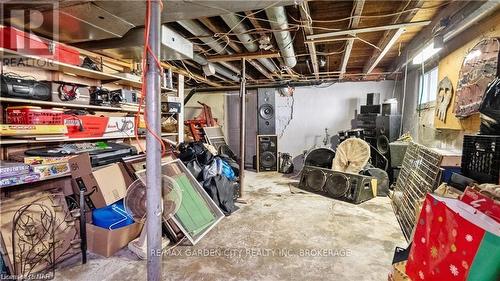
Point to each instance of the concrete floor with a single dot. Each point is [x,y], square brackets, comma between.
[281,234]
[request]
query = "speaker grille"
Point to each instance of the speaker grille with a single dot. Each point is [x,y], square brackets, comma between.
[315,179]
[267,159]
[337,185]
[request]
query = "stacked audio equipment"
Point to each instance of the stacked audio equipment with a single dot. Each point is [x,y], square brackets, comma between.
[348,187]
[266,113]
[381,125]
[267,153]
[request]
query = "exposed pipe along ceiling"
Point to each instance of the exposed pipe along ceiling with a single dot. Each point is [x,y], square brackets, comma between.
[284,29]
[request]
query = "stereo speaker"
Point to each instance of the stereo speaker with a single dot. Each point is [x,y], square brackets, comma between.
[266,113]
[354,188]
[387,128]
[267,153]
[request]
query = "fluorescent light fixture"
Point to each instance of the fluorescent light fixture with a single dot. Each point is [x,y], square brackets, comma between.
[425,54]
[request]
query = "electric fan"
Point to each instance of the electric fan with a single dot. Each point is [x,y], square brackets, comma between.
[135,205]
[351,156]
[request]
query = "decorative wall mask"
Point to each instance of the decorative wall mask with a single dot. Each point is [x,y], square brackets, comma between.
[445,92]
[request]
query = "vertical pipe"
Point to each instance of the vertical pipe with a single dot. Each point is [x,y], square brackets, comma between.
[404,98]
[180,117]
[153,152]
[242,126]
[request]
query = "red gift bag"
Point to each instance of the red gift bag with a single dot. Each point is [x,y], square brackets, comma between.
[454,241]
[482,203]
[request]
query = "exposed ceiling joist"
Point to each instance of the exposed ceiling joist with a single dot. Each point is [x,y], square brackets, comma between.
[358,9]
[239,56]
[253,20]
[384,51]
[216,29]
[305,14]
[188,74]
[368,29]
[390,36]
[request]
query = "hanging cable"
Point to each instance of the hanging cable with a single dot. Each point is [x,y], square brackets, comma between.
[147,49]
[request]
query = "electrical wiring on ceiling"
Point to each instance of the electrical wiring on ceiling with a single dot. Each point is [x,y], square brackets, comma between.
[374,16]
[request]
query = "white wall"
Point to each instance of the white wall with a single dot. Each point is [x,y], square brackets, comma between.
[317,108]
[215,100]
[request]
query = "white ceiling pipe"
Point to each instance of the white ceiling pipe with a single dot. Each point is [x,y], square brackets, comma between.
[201,60]
[205,36]
[234,23]
[278,20]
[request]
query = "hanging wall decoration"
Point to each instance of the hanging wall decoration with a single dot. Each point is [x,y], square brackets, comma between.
[479,68]
[444,94]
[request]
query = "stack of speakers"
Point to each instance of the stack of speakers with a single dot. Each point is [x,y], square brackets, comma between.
[348,187]
[381,125]
[267,140]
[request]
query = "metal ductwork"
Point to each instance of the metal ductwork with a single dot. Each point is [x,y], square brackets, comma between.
[201,60]
[278,20]
[235,24]
[198,31]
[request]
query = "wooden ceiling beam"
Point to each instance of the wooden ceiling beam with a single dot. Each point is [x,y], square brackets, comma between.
[305,13]
[249,56]
[357,10]
[391,36]
[355,31]
[190,74]
[216,29]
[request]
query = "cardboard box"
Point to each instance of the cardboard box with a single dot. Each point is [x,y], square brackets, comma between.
[399,272]
[91,126]
[104,186]
[106,242]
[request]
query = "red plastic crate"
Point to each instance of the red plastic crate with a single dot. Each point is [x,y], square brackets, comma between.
[31,44]
[34,115]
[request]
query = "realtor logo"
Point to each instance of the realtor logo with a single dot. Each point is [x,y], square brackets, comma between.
[22,21]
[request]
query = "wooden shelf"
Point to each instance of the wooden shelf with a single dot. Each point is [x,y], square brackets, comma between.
[40,180]
[168,134]
[53,65]
[65,105]
[12,141]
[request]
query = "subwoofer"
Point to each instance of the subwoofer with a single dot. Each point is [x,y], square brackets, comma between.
[388,126]
[266,113]
[348,187]
[267,153]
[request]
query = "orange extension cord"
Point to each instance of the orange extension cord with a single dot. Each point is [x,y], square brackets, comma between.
[147,49]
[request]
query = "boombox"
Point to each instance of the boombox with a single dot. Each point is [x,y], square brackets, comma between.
[100,96]
[348,187]
[70,93]
[123,96]
[15,86]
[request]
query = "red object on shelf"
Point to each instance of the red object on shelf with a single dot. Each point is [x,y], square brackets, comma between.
[33,115]
[92,126]
[31,44]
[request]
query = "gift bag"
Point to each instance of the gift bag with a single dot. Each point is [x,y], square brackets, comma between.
[454,241]
[482,203]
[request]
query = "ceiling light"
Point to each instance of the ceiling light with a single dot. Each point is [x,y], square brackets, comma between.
[425,54]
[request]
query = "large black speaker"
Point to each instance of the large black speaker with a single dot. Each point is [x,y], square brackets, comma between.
[266,112]
[267,153]
[348,187]
[387,128]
